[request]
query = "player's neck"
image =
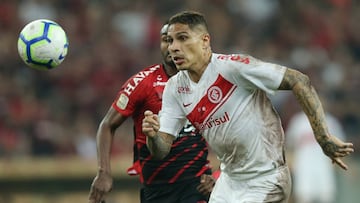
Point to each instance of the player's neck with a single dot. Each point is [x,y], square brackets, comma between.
[169,70]
[195,74]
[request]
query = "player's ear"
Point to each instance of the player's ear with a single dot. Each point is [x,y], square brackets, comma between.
[206,41]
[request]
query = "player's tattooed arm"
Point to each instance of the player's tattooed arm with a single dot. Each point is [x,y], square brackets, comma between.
[311,105]
[308,100]
[159,145]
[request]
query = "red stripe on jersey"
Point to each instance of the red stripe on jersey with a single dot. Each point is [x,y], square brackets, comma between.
[179,141]
[166,163]
[217,94]
[203,169]
[142,166]
[191,162]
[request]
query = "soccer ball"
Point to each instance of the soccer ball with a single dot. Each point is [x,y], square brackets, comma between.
[43,44]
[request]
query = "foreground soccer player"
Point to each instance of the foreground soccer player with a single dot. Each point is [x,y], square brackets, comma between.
[225,98]
[184,175]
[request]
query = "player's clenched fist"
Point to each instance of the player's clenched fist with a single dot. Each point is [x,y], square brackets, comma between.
[150,124]
[158,143]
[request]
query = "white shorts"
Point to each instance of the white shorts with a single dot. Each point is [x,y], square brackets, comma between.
[271,187]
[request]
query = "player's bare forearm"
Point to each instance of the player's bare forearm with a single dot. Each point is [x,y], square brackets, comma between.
[102,183]
[104,141]
[159,145]
[308,100]
[104,138]
[311,105]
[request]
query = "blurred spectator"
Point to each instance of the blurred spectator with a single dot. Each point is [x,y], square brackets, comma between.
[34,9]
[313,173]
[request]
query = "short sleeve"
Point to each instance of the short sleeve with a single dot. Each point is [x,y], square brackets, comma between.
[129,96]
[263,75]
[171,116]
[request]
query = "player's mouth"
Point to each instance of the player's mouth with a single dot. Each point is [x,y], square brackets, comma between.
[178,60]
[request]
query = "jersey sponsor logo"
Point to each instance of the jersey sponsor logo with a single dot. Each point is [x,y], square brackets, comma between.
[136,79]
[184,90]
[122,101]
[235,57]
[211,122]
[218,93]
[159,78]
[159,83]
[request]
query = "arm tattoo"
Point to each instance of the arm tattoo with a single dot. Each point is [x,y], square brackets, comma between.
[159,146]
[329,147]
[309,101]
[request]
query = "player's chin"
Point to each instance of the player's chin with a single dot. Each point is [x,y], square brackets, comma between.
[180,66]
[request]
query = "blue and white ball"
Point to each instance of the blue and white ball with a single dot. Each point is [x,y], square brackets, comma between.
[43,44]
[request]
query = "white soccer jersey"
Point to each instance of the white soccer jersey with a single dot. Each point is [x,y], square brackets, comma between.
[229,106]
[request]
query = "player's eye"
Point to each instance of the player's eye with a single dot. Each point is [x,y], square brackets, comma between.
[164,39]
[168,40]
[182,37]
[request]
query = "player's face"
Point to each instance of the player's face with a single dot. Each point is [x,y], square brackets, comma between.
[187,46]
[164,44]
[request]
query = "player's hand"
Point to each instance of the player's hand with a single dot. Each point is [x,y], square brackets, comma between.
[101,185]
[334,148]
[150,124]
[207,183]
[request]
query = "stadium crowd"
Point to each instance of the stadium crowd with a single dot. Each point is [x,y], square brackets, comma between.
[56,113]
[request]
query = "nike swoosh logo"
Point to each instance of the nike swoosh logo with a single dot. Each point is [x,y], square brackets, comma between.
[186,105]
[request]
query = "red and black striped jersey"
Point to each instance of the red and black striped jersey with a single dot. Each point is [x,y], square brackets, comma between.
[188,156]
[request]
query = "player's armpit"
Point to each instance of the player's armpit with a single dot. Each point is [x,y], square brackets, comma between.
[293,77]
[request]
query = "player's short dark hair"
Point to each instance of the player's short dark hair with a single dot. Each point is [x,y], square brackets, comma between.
[190,18]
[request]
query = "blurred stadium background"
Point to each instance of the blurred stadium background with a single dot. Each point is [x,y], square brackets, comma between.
[48,120]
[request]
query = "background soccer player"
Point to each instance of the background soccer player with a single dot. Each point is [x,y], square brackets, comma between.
[184,175]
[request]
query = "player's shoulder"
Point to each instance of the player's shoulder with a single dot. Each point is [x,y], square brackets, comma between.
[149,71]
[153,68]
[233,58]
[146,73]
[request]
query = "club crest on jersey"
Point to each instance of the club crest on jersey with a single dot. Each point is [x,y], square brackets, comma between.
[214,94]
[122,101]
